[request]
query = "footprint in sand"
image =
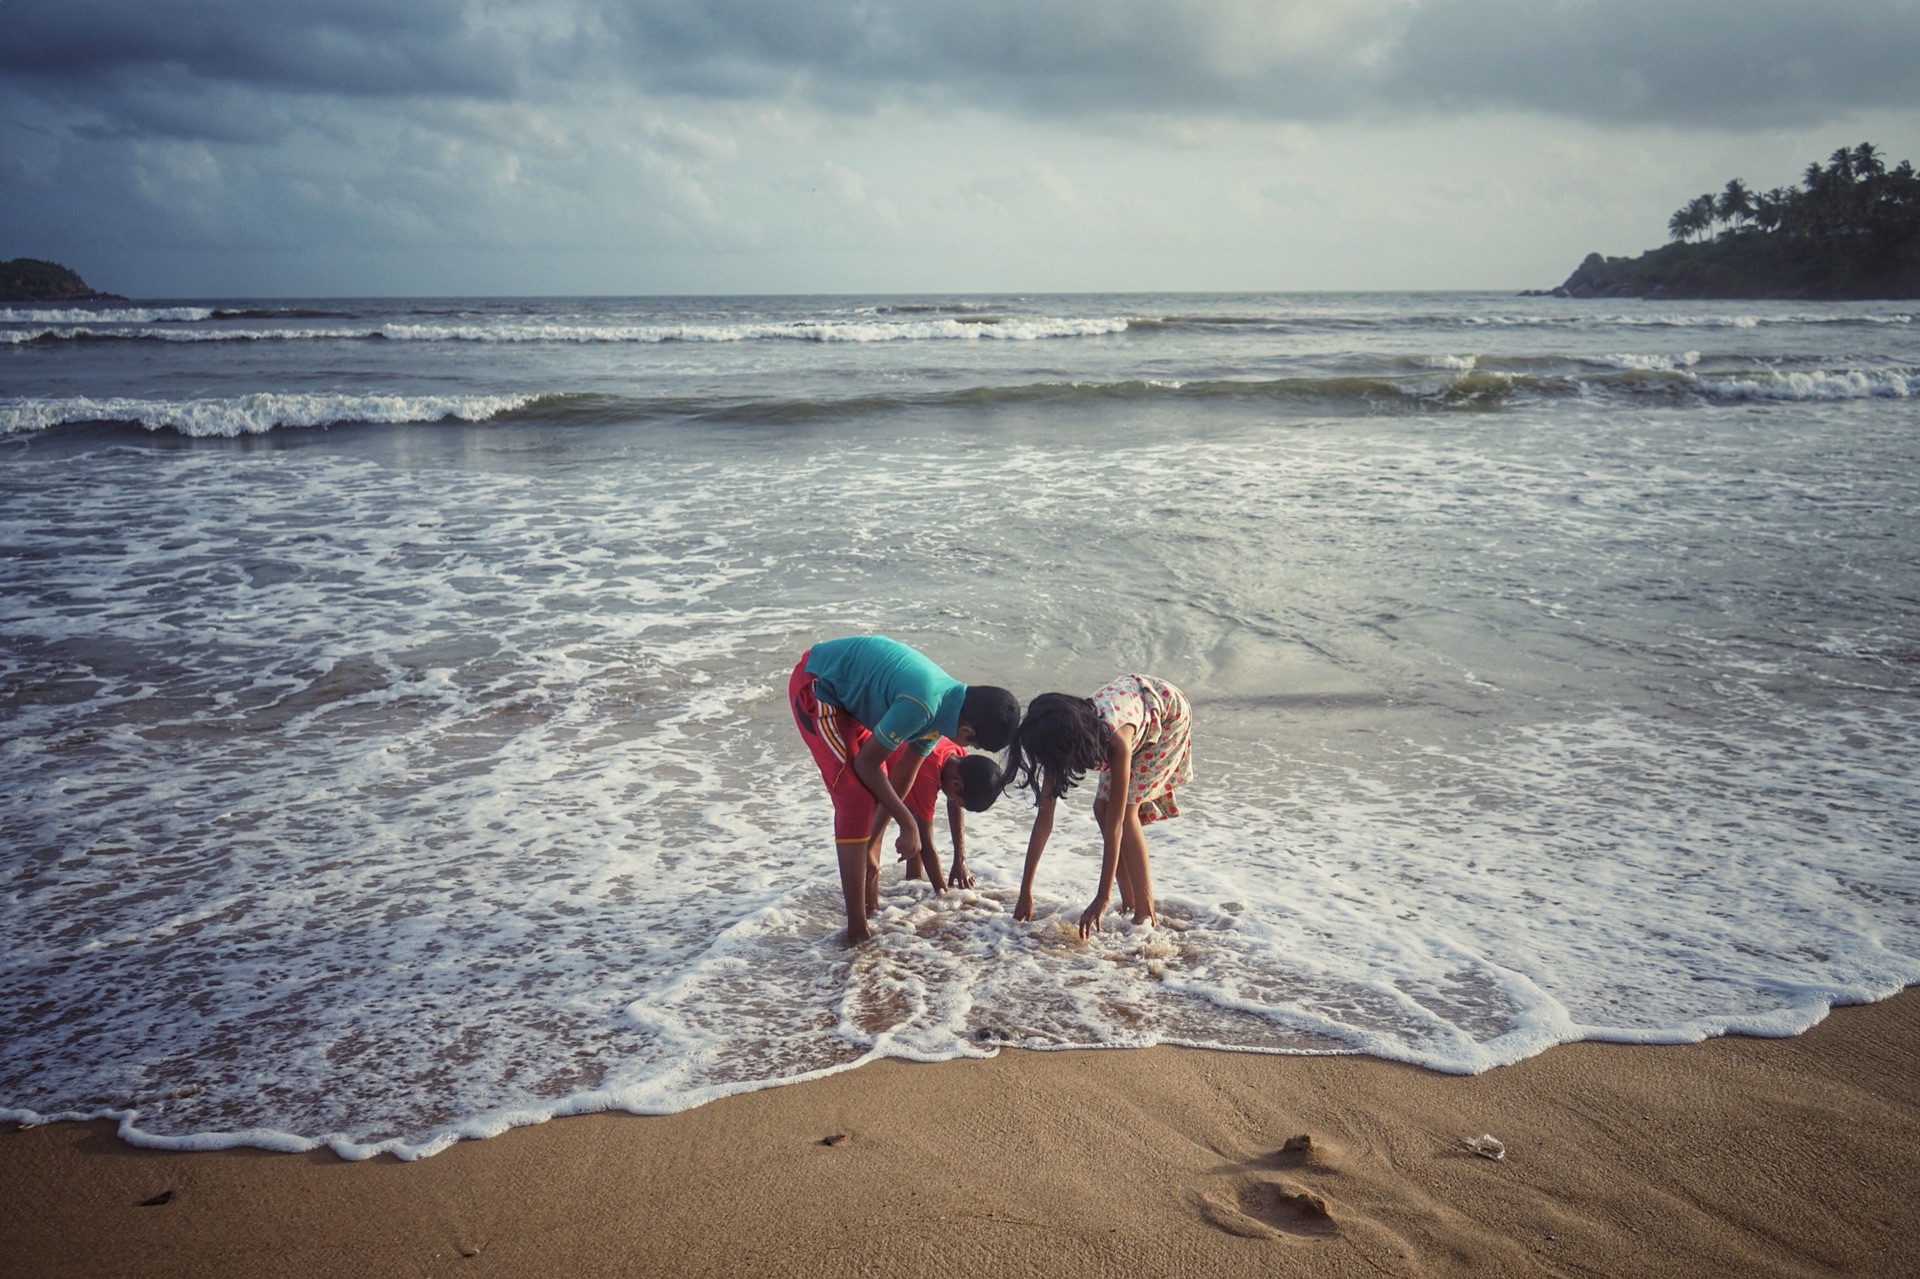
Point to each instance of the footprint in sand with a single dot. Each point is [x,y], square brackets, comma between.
[1254,1206]
[1257,1209]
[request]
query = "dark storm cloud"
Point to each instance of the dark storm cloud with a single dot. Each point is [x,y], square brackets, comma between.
[1724,62]
[166,65]
[352,47]
[1066,57]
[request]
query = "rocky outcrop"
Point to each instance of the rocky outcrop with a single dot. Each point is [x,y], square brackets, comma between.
[32,280]
[1751,264]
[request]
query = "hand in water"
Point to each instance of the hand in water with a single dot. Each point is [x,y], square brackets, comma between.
[1090,918]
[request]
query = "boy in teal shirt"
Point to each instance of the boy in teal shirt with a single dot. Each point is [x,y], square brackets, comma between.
[856,701]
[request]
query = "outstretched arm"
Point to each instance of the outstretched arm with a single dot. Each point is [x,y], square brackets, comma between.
[1036,844]
[870,767]
[929,855]
[960,876]
[1112,819]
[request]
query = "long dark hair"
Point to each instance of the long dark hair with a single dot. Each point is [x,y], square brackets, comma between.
[1055,745]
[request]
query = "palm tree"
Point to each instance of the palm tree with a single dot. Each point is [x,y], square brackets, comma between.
[1701,209]
[1691,218]
[1734,204]
[1853,194]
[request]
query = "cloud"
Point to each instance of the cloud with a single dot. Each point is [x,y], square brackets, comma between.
[1066,57]
[348,47]
[1726,63]
[454,145]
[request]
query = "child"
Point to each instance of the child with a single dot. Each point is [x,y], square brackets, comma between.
[969,781]
[1138,732]
[856,701]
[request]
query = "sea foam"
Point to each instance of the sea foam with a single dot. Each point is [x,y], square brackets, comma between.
[1007,329]
[253,414]
[422,781]
[103,315]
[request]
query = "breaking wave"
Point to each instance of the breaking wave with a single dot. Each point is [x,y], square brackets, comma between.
[252,414]
[1446,384]
[104,315]
[980,328]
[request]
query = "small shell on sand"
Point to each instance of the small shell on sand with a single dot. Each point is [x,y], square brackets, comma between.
[1486,1145]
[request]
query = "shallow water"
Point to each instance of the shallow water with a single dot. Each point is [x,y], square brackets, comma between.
[393,691]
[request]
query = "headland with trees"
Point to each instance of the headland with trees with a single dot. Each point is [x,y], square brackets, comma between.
[1848,230]
[32,280]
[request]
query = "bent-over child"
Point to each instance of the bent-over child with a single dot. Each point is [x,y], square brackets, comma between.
[1137,731]
[858,700]
[970,782]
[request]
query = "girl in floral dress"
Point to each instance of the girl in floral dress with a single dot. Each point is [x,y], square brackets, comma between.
[1137,731]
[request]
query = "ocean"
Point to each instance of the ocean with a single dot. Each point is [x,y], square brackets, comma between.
[392,692]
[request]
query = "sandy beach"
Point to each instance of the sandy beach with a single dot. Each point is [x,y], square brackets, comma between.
[1737,1156]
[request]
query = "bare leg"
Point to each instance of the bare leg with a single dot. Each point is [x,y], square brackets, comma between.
[1133,852]
[873,878]
[852,854]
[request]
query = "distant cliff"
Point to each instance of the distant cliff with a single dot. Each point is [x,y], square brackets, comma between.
[1853,232]
[31,280]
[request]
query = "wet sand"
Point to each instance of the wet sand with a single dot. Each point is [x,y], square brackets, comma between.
[1733,1157]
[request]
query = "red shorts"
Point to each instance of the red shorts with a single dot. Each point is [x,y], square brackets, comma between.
[834,737]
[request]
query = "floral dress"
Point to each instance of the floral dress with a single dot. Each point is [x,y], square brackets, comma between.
[1162,740]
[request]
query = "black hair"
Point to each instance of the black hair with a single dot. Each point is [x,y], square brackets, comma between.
[1061,738]
[993,713]
[980,782]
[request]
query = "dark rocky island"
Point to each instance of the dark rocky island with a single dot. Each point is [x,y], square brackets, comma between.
[31,280]
[1852,233]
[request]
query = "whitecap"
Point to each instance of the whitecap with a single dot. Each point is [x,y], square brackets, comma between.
[102,315]
[252,414]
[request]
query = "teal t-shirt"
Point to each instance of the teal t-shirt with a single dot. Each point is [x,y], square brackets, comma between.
[893,690]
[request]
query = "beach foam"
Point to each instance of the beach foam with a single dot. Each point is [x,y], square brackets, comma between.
[370,789]
[252,414]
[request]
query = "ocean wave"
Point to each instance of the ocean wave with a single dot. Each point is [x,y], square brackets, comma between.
[983,328]
[253,414]
[1662,320]
[1646,362]
[932,308]
[1685,321]
[1848,384]
[1449,387]
[1320,322]
[1358,393]
[278,313]
[103,315]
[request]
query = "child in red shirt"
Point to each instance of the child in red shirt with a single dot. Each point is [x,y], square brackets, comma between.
[968,781]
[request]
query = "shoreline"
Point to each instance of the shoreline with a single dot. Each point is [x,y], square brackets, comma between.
[1731,1156]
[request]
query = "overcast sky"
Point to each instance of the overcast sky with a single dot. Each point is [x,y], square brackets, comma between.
[335,147]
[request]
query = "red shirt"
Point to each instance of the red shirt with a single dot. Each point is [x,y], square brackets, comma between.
[926,783]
